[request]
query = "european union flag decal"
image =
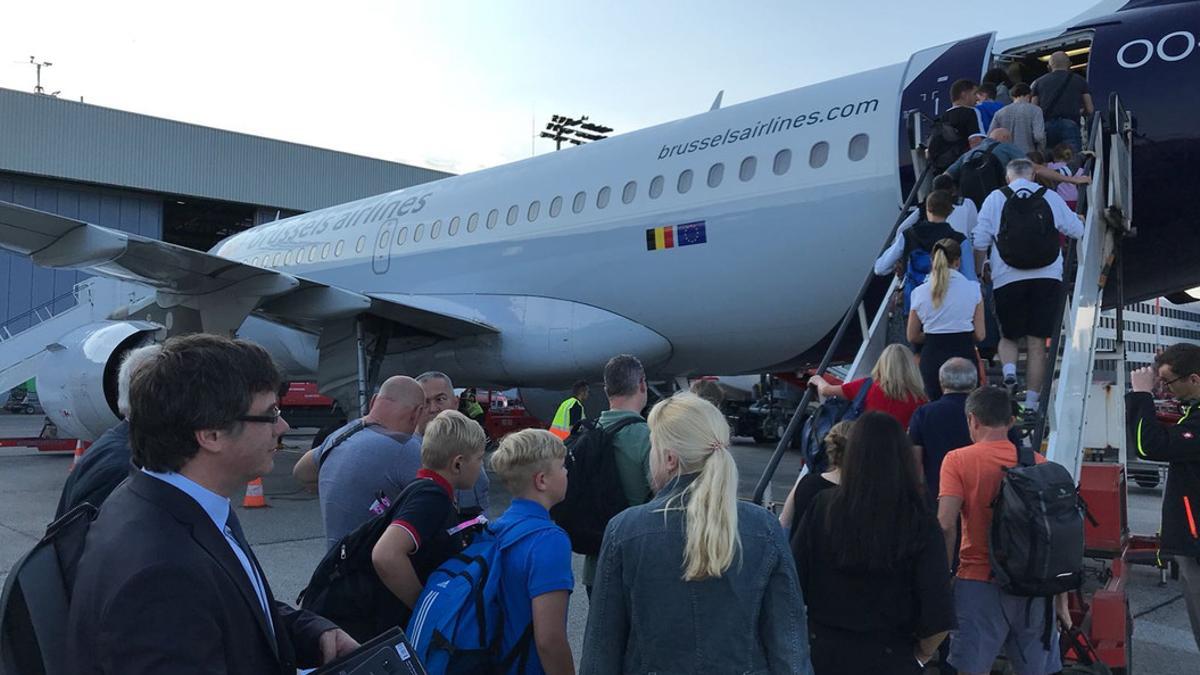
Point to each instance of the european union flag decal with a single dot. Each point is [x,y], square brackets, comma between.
[691,233]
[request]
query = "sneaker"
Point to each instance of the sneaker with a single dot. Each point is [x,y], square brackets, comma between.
[1010,382]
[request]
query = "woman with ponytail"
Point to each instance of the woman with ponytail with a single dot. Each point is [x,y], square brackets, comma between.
[695,580]
[946,315]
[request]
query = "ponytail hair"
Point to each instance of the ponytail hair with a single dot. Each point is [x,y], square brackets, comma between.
[697,433]
[946,252]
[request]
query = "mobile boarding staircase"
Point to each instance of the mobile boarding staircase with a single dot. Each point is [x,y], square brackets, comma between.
[1079,423]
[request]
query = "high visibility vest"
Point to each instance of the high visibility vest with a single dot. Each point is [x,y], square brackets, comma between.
[561,426]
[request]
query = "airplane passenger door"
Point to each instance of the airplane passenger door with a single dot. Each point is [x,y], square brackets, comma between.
[381,258]
[926,88]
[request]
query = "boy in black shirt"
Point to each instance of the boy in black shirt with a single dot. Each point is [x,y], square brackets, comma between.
[954,127]
[419,538]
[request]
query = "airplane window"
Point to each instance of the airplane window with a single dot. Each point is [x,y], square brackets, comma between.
[435,229]
[534,207]
[580,199]
[602,197]
[275,262]
[418,231]
[749,166]
[783,162]
[253,260]
[325,251]
[859,146]
[385,239]
[513,212]
[629,192]
[312,253]
[289,258]
[715,174]
[555,207]
[337,250]
[493,216]
[685,181]
[453,229]
[360,244]
[818,155]
[656,187]
[401,236]
[473,222]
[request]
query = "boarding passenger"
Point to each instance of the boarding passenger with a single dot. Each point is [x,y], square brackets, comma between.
[107,461]
[536,580]
[419,538]
[989,620]
[1023,119]
[439,396]
[981,169]
[1062,95]
[1178,370]
[872,563]
[896,386]
[1062,162]
[947,315]
[625,385]
[912,251]
[695,581]
[809,485]
[1000,79]
[167,582]
[986,104]
[954,127]
[1025,267]
[941,426]
[570,412]
[366,463]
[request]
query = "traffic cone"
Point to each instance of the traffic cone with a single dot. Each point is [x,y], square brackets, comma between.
[255,499]
[80,446]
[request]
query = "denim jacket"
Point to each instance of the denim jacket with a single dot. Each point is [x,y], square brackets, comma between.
[645,618]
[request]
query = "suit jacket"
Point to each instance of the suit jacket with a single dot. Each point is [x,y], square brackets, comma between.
[159,590]
[101,469]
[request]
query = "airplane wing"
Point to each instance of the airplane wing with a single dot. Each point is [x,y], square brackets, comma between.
[181,275]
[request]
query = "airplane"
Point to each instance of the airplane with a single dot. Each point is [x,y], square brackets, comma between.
[731,241]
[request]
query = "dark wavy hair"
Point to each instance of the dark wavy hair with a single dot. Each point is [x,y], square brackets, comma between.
[875,515]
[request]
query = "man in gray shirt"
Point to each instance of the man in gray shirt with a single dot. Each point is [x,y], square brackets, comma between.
[1062,95]
[370,458]
[1023,119]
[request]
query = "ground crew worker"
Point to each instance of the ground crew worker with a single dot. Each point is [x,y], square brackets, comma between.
[1178,368]
[570,412]
[471,407]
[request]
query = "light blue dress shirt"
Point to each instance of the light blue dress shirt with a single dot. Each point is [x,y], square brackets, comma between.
[217,508]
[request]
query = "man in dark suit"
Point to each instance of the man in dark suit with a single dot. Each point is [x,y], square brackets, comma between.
[167,582]
[106,463]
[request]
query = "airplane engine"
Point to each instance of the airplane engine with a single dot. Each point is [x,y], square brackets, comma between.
[77,380]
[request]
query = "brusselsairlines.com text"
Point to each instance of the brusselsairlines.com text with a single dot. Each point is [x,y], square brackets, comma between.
[772,126]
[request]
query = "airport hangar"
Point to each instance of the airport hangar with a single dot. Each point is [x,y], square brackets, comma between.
[182,183]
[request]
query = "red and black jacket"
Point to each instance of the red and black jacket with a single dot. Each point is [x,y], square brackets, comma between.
[1178,444]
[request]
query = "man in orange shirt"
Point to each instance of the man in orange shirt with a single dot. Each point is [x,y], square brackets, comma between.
[988,618]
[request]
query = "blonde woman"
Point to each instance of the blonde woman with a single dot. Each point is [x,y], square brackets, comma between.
[946,315]
[694,580]
[896,386]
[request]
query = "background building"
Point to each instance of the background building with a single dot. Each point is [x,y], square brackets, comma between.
[182,183]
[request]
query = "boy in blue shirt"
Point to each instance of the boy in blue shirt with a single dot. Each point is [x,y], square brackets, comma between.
[537,579]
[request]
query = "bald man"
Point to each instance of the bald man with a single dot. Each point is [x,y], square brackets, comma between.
[1063,96]
[369,460]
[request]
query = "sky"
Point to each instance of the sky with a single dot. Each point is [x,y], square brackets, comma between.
[461,85]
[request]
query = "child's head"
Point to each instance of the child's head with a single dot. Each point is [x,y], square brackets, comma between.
[1063,153]
[453,446]
[835,442]
[530,463]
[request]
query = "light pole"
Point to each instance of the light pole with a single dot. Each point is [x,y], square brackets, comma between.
[38,65]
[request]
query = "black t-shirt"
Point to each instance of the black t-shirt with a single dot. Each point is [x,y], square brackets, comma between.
[428,512]
[1069,103]
[909,602]
[806,490]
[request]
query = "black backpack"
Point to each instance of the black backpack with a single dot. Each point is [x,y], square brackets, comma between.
[818,424]
[1036,538]
[980,174]
[344,587]
[1027,239]
[945,144]
[594,493]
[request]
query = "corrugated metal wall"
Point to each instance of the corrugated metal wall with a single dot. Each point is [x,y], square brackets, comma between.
[23,285]
[45,136]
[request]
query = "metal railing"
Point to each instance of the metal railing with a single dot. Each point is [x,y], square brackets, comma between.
[43,312]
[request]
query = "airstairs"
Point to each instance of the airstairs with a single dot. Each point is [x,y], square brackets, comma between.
[1078,420]
[95,299]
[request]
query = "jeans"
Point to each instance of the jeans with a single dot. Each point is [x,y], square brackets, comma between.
[1063,130]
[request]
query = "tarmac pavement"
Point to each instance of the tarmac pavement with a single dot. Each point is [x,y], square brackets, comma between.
[289,542]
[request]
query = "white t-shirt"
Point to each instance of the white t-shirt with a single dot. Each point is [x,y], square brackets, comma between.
[957,312]
[962,219]
[988,227]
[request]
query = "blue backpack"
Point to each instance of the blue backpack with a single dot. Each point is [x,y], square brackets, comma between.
[457,625]
[818,424]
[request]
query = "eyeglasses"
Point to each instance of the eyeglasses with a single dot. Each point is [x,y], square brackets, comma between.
[1167,383]
[270,418]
